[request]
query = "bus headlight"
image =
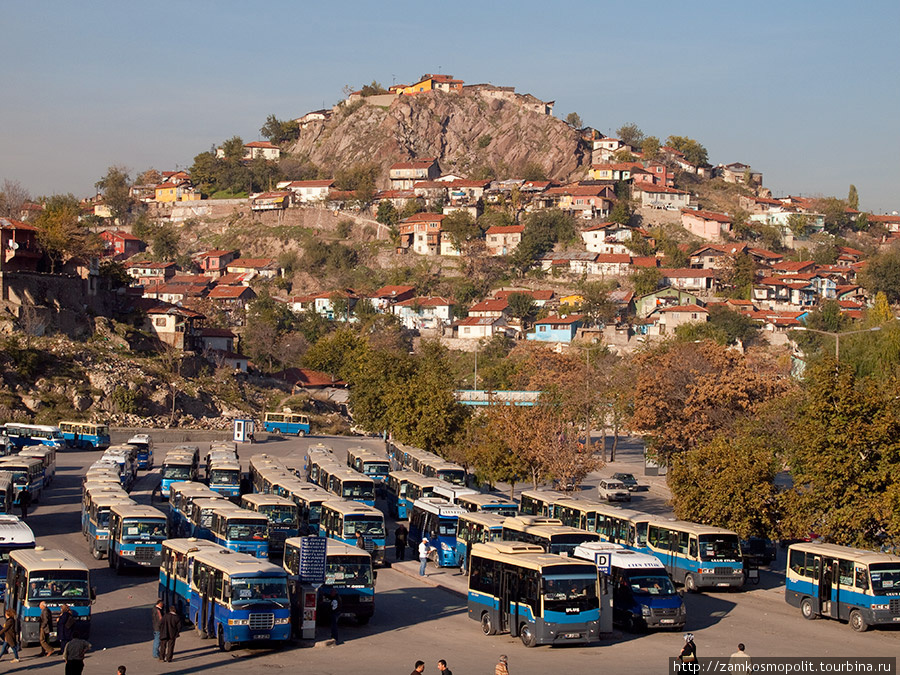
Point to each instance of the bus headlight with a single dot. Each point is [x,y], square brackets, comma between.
[445,547]
[282,620]
[238,622]
[738,570]
[102,537]
[126,552]
[645,610]
[881,606]
[31,619]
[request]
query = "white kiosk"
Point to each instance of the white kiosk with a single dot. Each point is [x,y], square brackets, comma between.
[243,431]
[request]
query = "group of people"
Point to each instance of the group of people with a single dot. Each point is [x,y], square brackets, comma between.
[166,629]
[72,644]
[689,652]
[419,668]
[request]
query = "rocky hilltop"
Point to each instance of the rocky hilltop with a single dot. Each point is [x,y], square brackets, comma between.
[468,133]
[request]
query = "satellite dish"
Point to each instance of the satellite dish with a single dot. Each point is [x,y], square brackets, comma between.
[14,245]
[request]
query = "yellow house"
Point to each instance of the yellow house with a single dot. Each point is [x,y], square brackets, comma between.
[433,82]
[621,171]
[570,303]
[170,192]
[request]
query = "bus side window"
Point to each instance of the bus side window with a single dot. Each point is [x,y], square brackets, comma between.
[692,551]
[797,562]
[653,536]
[682,542]
[862,578]
[812,566]
[845,573]
[217,584]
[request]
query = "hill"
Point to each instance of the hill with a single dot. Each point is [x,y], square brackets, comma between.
[470,134]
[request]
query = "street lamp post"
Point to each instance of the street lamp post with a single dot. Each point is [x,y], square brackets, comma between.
[837,336]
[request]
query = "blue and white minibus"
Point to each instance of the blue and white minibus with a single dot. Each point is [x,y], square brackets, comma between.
[540,597]
[548,533]
[241,530]
[309,499]
[22,435]
[85,435]
[488,503]
[237,599]
[343,520]
[849,584]
[14,535]
[293,424]
[538,502]
[375,466]
[177,466]
[7,494]
[175,570]
[436,519]
[199,516]
[136,534]
[144,445]
[27,474]
[349,484]
[479,527]
[283,518]
[404,488]
[181,496]
[98,504]
[47,455]
[224,477]
[47,575]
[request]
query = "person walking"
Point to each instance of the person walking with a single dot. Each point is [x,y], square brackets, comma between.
[443,669]
[74,654]
[423,555]
[121,670]
[418,668]
[400,536]
[24,501]
[156,617]
[169,630]
[689,651]
[740,658]
[45,629]
[10,635]
[334,607]
[65,627]
[502,667]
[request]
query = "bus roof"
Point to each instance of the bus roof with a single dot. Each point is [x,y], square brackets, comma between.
[14,531]
[452,491]
[17,461]
[190,545]
[225,465]
[35,427]
[346,473]
[335,547]
[531,521]
[193,490]
[441,507]
[684,525]
[180,458]
[492,520]
[232,511]
[482,499]
[267,500]
[36,451]
[855,554]
[214,503]
[46,558]
[405,474]
[126,510]
[233,563]
[528,556]
[110,499]
[348,508]
[619,556]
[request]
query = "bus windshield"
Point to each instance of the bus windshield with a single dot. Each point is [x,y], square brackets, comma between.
[365,525]
[719,547]
[376,468]
[279,515]
[564,544]
[58,585]
[176,472]
[245,591]
[224,477]
[651,584]
[453,476]
[885,578]
[567,592]
[103,518]
[354,490]
[238,531]
[447,527]
[346,573]
[135,530]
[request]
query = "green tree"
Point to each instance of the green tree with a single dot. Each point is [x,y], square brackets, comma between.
[573,119]
[61,235]
[630,134]
[725,326]
[484,141]
[835,212]
[694,153]
[853,198]
[336,353]
[799,224]
[650,147]
[205,172]
[542,230]
[461,229]
[115,189]
[360,179]
[280,131]
[533,171]
[387,214]
[881,311]
[739,275]
[166,243]
[373,89]
[882,274]
[621,214]
[522,307]
[646,280]
[596,304]
[233,149]
[265,174]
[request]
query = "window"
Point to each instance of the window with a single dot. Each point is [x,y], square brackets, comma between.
[159,321]
[862,579]
[466,329]
[845,573]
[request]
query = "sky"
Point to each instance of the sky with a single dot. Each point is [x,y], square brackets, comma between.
[807,92]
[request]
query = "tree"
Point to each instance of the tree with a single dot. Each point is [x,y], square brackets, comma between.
[799,224]
[650,147]
[881,312]
[573,119]
[233,149]
[166,243]
[484,447]
[12,198]
[646,280]
[61,235]
[360,179]
[533,171]
[115,188]
[739,275]
[693,152]
[835,212]
[387,214]
[461,229]
[373,89]
[630,134]
[623,155]
[853,198]
[596,304]
[280,131]
[882,274]
[148,177]
[522,307]
[335,353]
[725,326]
[542,230]
[621,214]
[205,172]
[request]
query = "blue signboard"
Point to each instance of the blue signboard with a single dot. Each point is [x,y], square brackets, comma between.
[312,560]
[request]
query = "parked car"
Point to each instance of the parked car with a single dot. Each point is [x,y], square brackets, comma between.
[613,490]
[630,482]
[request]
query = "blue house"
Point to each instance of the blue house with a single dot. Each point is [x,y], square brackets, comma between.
[556,328]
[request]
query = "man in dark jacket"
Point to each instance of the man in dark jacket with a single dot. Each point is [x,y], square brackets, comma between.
[169,629]
[24,501]
[156,617]
[65,627]
[46,628]
[400,535]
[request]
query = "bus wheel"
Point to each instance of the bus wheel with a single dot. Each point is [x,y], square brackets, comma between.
[224,645]
[301,433]
[857,622]
[363,620]
[487,626]
[806,609]
[96,553]
[527,636]
[689,584]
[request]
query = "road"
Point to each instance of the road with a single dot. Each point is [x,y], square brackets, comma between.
[415,620]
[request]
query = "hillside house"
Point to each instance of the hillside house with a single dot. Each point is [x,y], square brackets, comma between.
[465,191]
[586,201]
[271,201]
[336,305]
[175,293]
[422,233]
[660,197]
[478,327]
[121,244]
[602,149]
[672,317]
[307,191]
[689,279]
[610,264]
[645,305]
[716,256]
[19,251]
[706,224]
[738,173]
[255,149]
[172,192]
[404,175]
[384,297]
[782,292]
[424,313]
[177,327]
[232,298]
[790,267]
[429,82]
[265,268]
[890,222]
[503,239]
[146,272]
[430,190]
[314,116]
[220,339]
[492,308]
[760,204]
[606,238]
[556,329]
[214,263]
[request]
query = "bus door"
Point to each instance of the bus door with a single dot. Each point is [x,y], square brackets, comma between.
[508,619]
[828,601]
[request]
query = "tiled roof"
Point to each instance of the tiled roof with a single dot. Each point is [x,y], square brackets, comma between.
[478,321]
[572,318]
[505,229]
[423,163]
[613,258]
[684,308]
[216,332]
[436,301]
[149,265]
[310,184]
[687,273]
[260,144]
[215,254]
[646,187]
[708,215]
[305,377]
[490,305]
[424,218]
[229,292]
[392,291]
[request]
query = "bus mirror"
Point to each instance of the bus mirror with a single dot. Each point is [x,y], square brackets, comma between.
[93,593]
[375,575]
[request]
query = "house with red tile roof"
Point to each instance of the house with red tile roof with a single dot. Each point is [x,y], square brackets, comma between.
[492,307]
[716,256]
[610,264]
[271,201]
[386,296]
[422,233]
[266,268]
[146,272]
[503,239]
[890,222]
[327,304]
[478,327]
[121,244]
[606,238]
[424,313]
[689,279]
[304,378]
[19,250]
[175,293]
[232,297]
[176,326]
[707,225]
[793,267]
[587,201]
[403,175]
[220,339]
[660,197]
[673,316]
[213,263]
[307,191]
[556,328]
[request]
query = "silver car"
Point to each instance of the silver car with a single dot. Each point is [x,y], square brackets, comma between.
[613,490]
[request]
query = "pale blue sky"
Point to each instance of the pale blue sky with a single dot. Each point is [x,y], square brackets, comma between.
[808,92]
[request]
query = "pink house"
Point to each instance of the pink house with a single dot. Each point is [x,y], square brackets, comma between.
[706,224]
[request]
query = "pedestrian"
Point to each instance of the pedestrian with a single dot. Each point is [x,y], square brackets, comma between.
[400,535]
[423,555]
[10,635]
[418,668]
[156,616]
[74,654]
[442,668]
[360,541]
[740,658]
[121,670]
[689,651]
[502,667]
[169,629]
[65,626]
[24,501]
[45,629]
[334,606]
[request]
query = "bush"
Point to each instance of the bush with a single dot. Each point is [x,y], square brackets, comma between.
[125,400]
[344,228]
[484,141]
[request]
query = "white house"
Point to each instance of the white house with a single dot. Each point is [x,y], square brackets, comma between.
[429,313]
[477,327]
[307,191]
[660,197]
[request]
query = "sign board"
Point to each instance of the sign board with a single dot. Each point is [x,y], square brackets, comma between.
[603,562]
[312,560]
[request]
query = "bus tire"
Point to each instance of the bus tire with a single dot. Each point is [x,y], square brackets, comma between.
[527,635]
[96,553]
[807,609]
[301,433]
[858,622]
[690,585]
[487,625]
[363,620]
[224,645]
